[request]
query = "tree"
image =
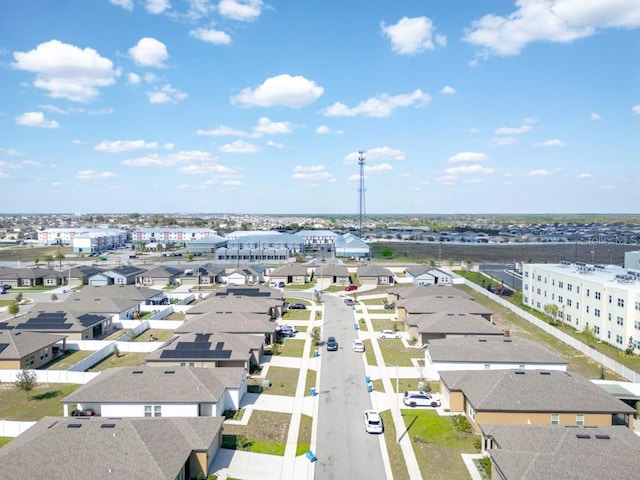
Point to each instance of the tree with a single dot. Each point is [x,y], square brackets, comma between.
[26,380]
[13,308]
[551,311]
[315,335]
[386,252]
[60,257]
[630,347]
[19,297]
[590,334]
[48,259]
[54,297]
[36,261]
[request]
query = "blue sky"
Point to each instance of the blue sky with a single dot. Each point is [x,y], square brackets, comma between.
[251,106]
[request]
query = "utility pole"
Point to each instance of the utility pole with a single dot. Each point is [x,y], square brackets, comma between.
[361,197]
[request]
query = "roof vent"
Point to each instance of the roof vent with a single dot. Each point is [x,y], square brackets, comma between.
[108,425]
[169,372]
[74,425]
[603,437]
[519,372]
[137,372]
[583,436]
[544,372]
[482,340]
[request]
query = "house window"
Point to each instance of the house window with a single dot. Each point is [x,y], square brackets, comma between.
[620,321]
[568,318]
[560,284]
[587,308]
[487,366]
[588,292]
[580,419]
[521,366]
[598,297]
[609,316]
[569,287]
[610,298]
[596,329]
[619,339]
[555,419]
[157,410]
[147,410]
[560,299]
[569,301]
[621,302]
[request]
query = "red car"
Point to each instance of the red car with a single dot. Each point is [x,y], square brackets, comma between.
[350,288]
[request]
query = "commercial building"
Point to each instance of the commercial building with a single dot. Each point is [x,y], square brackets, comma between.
[602,298]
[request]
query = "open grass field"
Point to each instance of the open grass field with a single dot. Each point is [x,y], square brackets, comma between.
[43,400]
[502,253]
[266,432]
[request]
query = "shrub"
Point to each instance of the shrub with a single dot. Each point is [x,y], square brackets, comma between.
[484,464]
[461,423]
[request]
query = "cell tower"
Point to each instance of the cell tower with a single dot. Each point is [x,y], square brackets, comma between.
[361,190]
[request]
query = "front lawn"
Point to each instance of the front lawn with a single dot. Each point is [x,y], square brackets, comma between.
[438,443]
[396,457]
[284,381]
[292,347]
[4,441]
[304,435]
[43,401]
[266,432]
[393,352]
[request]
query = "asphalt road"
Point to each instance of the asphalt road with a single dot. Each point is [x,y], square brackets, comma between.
[343,448]
[504,273]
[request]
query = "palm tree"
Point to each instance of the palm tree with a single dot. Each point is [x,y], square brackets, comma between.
[551,311]
[60,257]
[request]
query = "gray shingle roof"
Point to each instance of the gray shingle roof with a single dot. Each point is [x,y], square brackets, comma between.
[453,324]
[193,347]
[491,349]
[15,345]
[533,452]
[442,304]
[428,291]
[374,271]
[228,322]
[158,385]
[150,447]
[215,304]
[532,391]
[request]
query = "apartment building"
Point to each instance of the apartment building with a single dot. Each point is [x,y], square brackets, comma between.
[604,298]
[171,234]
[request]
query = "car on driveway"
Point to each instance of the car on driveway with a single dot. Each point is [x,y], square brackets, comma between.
[388,334]
[297,306]
[349,302]
[332,344]
[286,331]
[350,288]
[6,286]
[389,306]
[358,346]
[419,398]
[373,422]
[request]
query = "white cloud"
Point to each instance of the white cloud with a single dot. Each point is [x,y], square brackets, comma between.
[550,143]
[530,120]
[376,154]
[312,173]
[280,91]
[513,130]
[211,35]
[560,21]
[119,146]
[133,79]
[126,4]
[101,111]
[151,77]
[474,130]
[267,127]
[446,180]
[157,6]
[585,176]
[66,71]
[468,170]
[379,168]
[636,109]
[232,183]
[468,157]
[271,143]
[502,141]
[12,152]
[155,160]
[447,90]
[166,94]
[149,52]
[243,10]
[595,116]
[198,9]
[538,173]
[239,146]
[35,119]
[169,146]
[324,130]
[58,110]
[93,175]
[203,169]
[379,106]
[411,35]
[223,131]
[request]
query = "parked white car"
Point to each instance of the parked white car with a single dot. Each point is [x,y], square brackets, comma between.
[388,334]
[373,422]
[358,346]
[420,399]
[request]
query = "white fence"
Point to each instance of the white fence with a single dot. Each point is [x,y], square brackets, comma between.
[51,376]
[12,429]
[94,358]
[590,352]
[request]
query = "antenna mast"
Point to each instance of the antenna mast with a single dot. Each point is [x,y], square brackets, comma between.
[361,190]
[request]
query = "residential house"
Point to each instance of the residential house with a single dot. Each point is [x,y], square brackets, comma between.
[159,276]
[203,275]
[122,301]
[327,275]
[31,277]
[26,350]
[122,275]
[429,326]
[245,276]
[422,275]
[487,352]
[57,318]
[449,304]
[82,273]
[534,452]
[530,397]
[256,299]
[100,448]
[374,275]
[248,323]
[211,350]
[160,392]
[418,291]
[291,274]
